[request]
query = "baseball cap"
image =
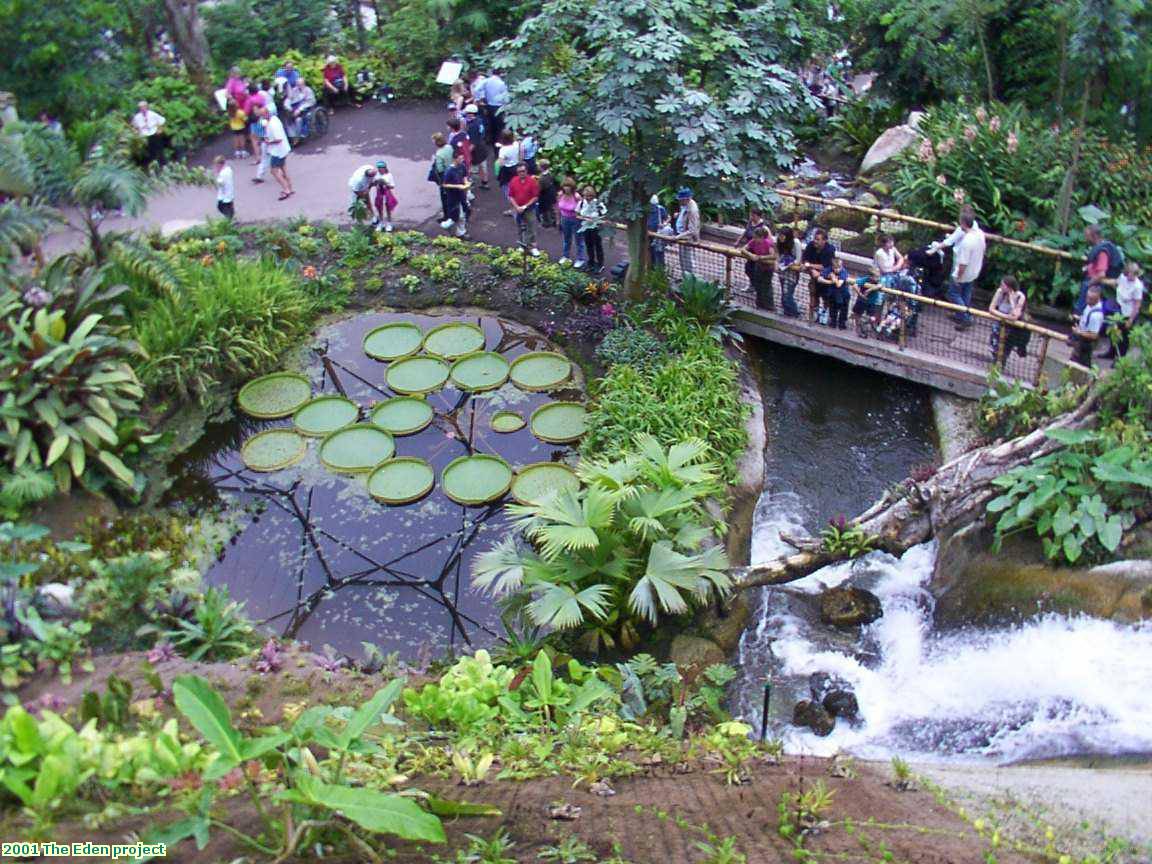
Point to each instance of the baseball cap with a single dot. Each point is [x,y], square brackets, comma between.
[684,193]
[471,109]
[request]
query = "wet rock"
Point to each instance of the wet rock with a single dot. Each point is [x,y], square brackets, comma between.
[847,606]
[841,217]
[814,716]
[842,703]
[832,189]
[820,684]
[809,170]
[694,652]
[867,199]
[858,244]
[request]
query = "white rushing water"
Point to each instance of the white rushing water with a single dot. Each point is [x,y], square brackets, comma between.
[1053,686]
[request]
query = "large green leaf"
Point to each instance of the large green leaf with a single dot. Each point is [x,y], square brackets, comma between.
[206,710]
[369,713]
[375,811]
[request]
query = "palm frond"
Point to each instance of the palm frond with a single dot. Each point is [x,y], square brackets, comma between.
[648,512]
[112,183]
[561,607]
[17,174]
[146,266]
[23,224]
[659,589]
[570,520]
[500,570]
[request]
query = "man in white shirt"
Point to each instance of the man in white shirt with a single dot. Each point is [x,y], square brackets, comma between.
[150,126]
[360,189]
[276,140]
[1129,296]
[225,188]
[1087,330]
[967,262]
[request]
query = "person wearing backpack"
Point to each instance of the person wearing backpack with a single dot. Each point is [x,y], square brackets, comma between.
[1103,261]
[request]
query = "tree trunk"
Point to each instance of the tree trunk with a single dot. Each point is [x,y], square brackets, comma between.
[358,23]
[1068,187]
[956,495]
[638,255]
[188,33]
[982,37]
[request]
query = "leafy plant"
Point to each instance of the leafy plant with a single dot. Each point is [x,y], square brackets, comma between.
[1010,408]
[68,398]
[232,320]
[633,346]
[846,541]
[692,392]
[628,545]
[801,811]
[217,630]
[570,850]
[901,774]
[706,302]
[55,642]
[859,122]
[730,743]
[1080,499]
[189,118]
[490,850]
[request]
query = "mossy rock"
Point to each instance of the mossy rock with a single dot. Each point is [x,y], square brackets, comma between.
[695,652]
[858,244]
[841,217]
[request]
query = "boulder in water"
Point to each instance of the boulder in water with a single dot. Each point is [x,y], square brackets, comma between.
[867,199]
[843,218]
[814,716]
[847,606]
[842,703]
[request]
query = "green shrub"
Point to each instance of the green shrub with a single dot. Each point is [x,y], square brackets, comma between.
[238,28]
[692,392]
[190,118]
[233,320]
[861,121]
[633,346]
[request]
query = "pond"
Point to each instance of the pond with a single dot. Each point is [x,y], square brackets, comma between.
[315,557]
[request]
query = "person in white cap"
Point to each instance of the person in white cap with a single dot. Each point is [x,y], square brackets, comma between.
[336,83]
[150,126]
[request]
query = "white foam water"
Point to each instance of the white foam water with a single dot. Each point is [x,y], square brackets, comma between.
[1053,686]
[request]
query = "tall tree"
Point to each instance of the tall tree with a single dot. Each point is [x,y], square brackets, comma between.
[669,91]
[1103,36]
[188,33]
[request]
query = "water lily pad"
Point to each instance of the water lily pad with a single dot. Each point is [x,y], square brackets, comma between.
[539,479]
[325,414]
[275,395]
[559,422]
[402,415]
[416,375]
[356,449]
[480,370]
[454,340]
[401,481]
[506,421]
[476,479]
[394,340]
[273,449]
[540,370]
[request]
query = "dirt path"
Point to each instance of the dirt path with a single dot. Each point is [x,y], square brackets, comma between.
[399,134]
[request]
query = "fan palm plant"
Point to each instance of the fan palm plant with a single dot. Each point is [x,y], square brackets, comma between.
[623,551]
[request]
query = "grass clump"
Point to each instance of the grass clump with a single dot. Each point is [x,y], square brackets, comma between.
[231,320]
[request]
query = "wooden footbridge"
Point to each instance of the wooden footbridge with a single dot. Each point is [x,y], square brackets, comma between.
[933,351]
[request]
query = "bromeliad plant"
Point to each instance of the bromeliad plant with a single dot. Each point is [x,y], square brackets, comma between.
[627,549]
[69,401]
[847,541]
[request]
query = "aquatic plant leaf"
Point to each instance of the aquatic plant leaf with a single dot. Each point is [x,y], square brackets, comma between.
[454,339]
[393,341]
[480,371]
[540,370]
[559,422]
[273,396]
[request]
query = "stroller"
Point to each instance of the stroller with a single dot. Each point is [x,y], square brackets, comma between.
[901,313]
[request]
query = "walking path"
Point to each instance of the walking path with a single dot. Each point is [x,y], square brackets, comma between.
[398,134]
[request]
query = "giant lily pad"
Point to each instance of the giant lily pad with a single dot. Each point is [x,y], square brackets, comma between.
[480,370]
[325,414]
[273,449]
[415,375]
[275,395]
[394,340]
[402,415]
[356,449]
[401,481]
[476,479]
[506,421]
[558,422]
[540,370]
[454,339]
[533,482]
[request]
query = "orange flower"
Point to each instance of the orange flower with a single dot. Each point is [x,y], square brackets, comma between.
[308,272]
[207,260]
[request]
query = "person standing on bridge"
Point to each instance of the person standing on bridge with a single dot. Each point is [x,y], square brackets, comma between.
[816,260]
[967,262]
[760,252]
[687,227]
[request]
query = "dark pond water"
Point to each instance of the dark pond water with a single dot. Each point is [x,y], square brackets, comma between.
[317,559]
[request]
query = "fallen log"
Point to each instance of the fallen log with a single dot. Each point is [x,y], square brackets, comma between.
[956,495]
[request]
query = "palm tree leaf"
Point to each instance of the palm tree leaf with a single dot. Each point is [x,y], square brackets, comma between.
[668,572]
[500,569]
[561,607]
[113,183]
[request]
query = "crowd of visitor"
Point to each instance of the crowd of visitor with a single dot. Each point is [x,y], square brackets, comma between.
[267,117]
